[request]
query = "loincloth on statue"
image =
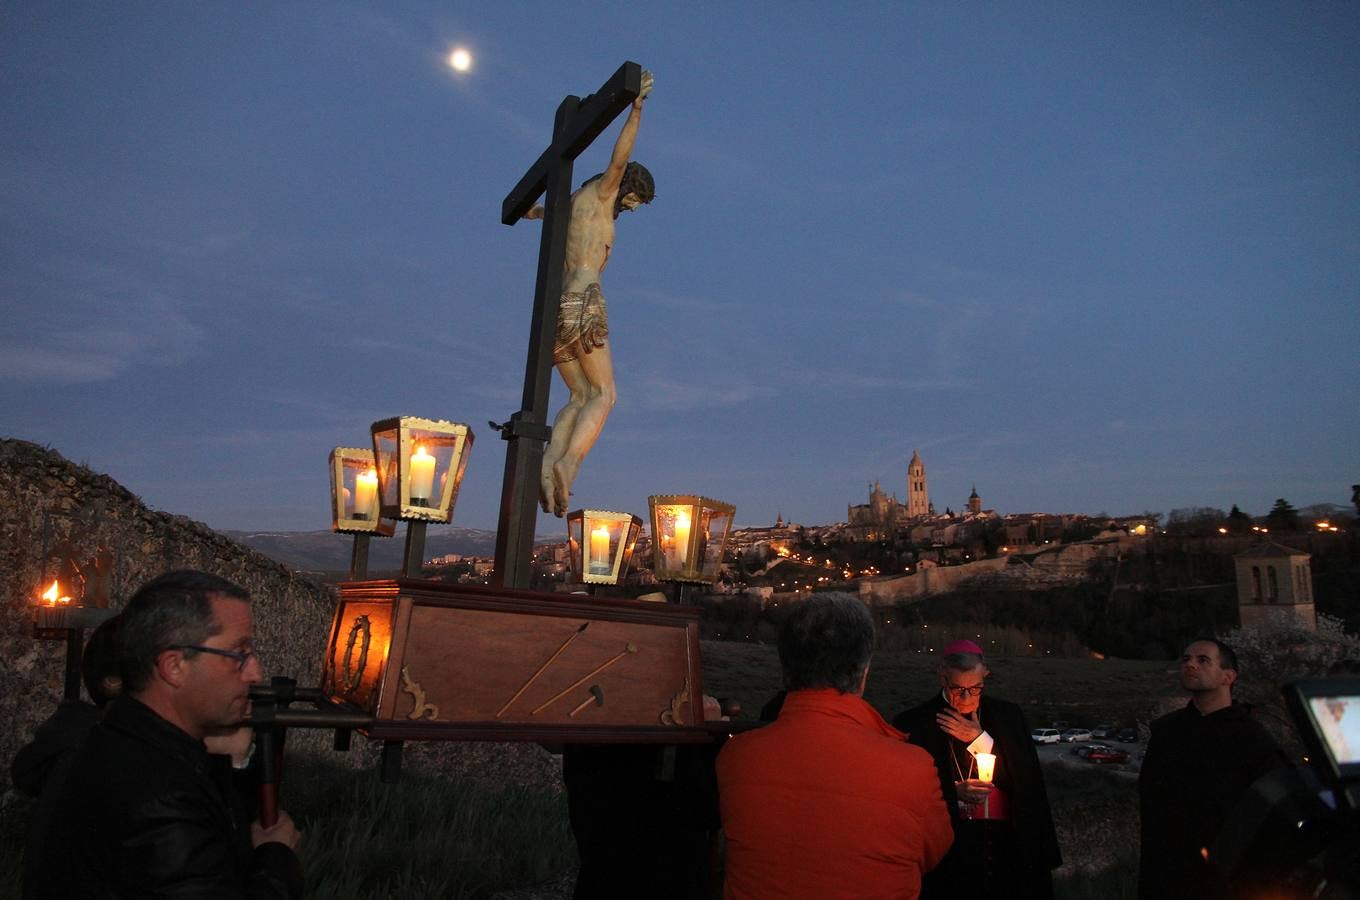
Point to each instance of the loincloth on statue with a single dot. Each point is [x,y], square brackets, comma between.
[581,318]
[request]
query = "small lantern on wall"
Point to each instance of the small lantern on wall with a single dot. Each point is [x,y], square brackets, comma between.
[689,535]
[354,494]
[601,544]
[51,613]
[420,465]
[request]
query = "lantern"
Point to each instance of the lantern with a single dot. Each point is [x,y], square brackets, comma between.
[420,465]
[354,494]
[601,544]
[689,535]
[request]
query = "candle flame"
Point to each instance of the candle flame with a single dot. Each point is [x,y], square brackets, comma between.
[420,450]
[52,595]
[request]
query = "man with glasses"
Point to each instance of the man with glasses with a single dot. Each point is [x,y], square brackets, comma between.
[1004,841]
[148,811]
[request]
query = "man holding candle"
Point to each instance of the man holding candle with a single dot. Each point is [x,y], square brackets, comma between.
[828,801]
[1200,761]
[1005,844]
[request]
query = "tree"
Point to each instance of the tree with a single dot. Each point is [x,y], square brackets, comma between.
[1282,516]
[1194,520]
[1238,521]
[1275,653]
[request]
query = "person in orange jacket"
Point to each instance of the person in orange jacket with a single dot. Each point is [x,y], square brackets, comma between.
[829,801]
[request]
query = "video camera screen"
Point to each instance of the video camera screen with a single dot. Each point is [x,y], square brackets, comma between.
[1327,714]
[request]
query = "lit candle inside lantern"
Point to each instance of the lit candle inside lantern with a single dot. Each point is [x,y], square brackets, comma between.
[51,595]
[986,763]
[600,563]
[682,535]
[422,476]
[366,494]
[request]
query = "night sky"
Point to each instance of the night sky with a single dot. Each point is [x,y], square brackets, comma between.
[1088,257]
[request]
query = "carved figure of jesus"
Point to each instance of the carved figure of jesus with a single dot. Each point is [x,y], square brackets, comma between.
[581,352]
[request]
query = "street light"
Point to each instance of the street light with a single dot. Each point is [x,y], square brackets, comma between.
[601,544]
[420,464]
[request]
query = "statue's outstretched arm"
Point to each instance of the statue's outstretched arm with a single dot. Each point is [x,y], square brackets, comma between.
[623,147]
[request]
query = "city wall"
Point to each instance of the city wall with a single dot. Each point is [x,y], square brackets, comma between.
[45,499]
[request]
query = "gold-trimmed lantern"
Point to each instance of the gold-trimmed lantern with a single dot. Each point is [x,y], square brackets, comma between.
[601,544]
[354,493]
[689,536]
[420,465]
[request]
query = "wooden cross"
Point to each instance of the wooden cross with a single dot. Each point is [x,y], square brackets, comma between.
[577,124]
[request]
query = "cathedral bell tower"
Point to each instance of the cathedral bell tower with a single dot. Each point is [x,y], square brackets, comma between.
[918,498]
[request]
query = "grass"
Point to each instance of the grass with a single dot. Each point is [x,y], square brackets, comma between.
[427,836]
[1081,691]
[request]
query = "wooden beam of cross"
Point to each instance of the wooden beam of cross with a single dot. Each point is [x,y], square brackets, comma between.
[578,122]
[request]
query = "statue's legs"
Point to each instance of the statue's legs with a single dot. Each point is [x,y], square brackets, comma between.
[590,378]
[562,428]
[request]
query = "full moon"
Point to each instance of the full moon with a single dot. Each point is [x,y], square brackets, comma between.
[460,60]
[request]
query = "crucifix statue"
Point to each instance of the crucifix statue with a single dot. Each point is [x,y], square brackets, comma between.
[570,328]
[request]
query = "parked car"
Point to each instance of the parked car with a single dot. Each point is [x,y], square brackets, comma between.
[1045,735]
[1073,735]
[1084,750]
[1103,731]
[1101,754]
[1127,735]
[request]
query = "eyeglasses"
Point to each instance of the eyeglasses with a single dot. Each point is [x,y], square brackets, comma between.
[240,656]
[974,691]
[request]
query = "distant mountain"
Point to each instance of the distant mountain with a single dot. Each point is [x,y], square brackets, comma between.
[325,551]
[1325,511]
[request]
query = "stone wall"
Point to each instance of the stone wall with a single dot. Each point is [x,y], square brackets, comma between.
[1050,567]
[927,581]
[72,512]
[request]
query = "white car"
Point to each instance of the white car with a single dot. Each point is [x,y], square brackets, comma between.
[1045,736]
[1072,735]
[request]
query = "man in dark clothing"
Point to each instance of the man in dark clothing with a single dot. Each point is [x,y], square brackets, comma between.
[1200,761]
[41,767]
[998,857]
[146,811]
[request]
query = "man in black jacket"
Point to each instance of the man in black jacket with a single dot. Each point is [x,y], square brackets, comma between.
[147,812]
[41,767]
[1004,841]
[1200,761]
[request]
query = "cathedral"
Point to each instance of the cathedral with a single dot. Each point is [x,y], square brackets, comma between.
[880,518]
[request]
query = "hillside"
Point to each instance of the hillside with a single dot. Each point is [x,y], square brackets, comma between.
[325,551]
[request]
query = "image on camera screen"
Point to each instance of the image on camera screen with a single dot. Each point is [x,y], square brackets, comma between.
[1338,722]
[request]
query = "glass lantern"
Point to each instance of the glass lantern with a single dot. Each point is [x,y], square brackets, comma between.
[601,544]
[689,535]
[354,494]
[420,465]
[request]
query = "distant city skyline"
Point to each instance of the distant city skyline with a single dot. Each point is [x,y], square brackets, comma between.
[1091,259]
